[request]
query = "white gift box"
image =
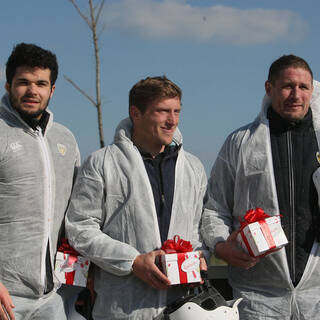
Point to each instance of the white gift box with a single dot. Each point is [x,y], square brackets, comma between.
[262,237]
[71,269]
[182,267]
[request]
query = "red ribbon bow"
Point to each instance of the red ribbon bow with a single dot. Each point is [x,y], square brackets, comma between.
[177,245]
[253,215]
[66,248]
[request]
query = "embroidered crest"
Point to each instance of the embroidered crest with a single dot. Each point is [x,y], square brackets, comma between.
[62,149]
[318,156]
[15,146]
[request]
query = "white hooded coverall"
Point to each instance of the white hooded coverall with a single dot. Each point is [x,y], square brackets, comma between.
[112,219]
[36,177]
[242,178]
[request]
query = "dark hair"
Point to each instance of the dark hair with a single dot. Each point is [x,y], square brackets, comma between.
[284,62]
[24,54]
[150,89]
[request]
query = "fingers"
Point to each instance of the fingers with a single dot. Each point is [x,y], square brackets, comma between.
[158,252]
[247,263]
[6,304]
[160,280]
[3,315]
[203,264]
[233,235]
[6,312]
[144,267]
[241,259]
[230,252]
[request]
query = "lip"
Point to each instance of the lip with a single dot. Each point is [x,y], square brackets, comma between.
[168,130]
[294,106]
[29,101]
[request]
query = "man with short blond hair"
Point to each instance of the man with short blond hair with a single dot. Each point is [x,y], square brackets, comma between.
[133,195]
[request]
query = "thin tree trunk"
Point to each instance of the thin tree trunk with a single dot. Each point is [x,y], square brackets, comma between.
[92,23]
[97,59]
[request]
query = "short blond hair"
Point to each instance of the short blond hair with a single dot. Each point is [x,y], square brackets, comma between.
[148,90]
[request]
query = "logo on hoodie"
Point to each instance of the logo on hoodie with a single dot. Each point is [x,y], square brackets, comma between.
[62,149]
[318,156]
[15,146]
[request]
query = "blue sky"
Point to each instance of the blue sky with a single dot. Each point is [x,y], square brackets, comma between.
[218,52]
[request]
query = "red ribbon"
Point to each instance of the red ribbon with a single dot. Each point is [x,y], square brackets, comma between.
[72,259]
[66,248]
[70,275]
[253,215]
[183,275]
[257,215]
[177,245]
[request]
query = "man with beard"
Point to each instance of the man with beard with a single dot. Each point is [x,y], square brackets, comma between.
[38,160]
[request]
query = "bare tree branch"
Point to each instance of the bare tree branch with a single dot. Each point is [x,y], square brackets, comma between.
[83,16]
[92,21]
[99,11]
[80,90]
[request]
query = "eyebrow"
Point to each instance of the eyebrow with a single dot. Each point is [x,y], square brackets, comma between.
[38,81]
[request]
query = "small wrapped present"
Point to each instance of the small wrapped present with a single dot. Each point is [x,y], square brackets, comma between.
[260,234]
[70,267]
[180,264]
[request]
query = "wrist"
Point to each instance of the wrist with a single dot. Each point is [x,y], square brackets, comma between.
[218,248]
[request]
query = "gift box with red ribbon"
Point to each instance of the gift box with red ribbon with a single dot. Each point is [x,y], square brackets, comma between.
[180,264]
[70,267]
[260,234]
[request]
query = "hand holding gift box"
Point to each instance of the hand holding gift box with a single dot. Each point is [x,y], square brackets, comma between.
[71,268]
[261,234]
[180,263]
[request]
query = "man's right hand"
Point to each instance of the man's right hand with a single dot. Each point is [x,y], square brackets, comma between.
[144,268]
[230,252]
[6,304]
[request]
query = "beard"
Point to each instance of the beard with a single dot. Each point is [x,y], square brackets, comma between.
[29,114]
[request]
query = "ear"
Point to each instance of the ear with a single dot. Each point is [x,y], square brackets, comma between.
[52,90]
[7,86]
[268,87]
[134,112]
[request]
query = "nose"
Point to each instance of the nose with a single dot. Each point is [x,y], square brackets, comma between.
[173,118]
[295,93]
[32,89]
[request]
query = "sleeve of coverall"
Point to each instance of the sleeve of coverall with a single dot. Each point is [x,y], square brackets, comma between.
[197,242]
[85,218]
[217,215]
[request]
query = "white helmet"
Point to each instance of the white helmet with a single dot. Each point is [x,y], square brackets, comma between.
[192,311]
[207,304]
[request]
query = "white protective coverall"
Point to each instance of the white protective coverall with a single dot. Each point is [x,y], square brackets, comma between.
[112,219]
[36,176]
[242,178]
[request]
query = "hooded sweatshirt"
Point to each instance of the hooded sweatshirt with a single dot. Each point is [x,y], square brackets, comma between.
[36,176]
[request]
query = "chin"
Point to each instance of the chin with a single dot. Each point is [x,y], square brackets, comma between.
[293,118]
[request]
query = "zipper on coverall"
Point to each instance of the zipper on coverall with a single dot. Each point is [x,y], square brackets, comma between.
[47,196]
[292,218]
